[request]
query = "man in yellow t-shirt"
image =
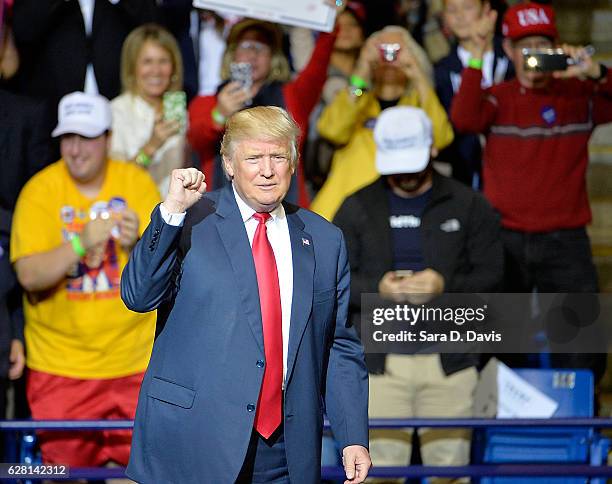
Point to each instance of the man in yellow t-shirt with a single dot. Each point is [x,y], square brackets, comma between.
[74,226]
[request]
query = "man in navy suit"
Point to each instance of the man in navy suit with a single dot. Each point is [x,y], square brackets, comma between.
[253,341]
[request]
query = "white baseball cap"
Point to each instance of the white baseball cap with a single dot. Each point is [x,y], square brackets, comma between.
[403,140]
[86,114]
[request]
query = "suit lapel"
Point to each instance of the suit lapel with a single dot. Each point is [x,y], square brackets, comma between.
[302,255]
[236,242]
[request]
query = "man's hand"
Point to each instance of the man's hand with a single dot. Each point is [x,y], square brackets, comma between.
[390,287]
[16,359]
[96,232]
[356,461]
[128,229]
[584,65]
[423,282]
[95,256]
[186,188]
[481,35]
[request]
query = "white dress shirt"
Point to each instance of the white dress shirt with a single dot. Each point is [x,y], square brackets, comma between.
[489,76]
[487,65]
[277,230]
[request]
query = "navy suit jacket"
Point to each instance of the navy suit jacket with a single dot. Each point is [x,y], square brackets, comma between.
[196,407]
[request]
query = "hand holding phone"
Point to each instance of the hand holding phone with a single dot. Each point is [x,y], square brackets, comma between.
[545,60]
[242,73]
[389,52]
[175,108]
[550,60]
[403,273]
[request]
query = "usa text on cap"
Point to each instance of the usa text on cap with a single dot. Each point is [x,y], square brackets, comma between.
[527,19]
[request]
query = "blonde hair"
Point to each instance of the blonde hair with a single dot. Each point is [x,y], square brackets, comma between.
[415,49]
[132,47]
[279,66]
[261,123]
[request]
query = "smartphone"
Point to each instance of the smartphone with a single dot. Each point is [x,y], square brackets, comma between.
[175,107]
[545,60]
[242,72]
[389,52]
[400,274]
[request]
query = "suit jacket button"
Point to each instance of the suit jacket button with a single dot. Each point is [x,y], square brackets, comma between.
[250,407]
[260,363]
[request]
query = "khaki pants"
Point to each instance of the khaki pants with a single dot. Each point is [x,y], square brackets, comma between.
[416,386]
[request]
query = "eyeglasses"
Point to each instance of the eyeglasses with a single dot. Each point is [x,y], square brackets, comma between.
[252,46]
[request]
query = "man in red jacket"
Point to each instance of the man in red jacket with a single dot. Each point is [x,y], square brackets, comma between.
[535,160]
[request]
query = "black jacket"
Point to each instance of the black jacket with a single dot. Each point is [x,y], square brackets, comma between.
[470,259]
[11,313]
[24,144]
[55,49]
[51,35]
[24,150]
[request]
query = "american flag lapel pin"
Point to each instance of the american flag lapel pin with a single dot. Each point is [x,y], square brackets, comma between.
[305,241]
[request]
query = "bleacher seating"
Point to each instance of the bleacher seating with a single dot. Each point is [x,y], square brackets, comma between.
[573,390]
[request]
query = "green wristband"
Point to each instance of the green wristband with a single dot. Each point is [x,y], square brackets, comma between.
[218,117]
[77,246]
[143,159]
[358,82]
[475,63]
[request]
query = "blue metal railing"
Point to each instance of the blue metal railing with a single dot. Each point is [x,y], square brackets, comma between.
[507,470]
[377,423]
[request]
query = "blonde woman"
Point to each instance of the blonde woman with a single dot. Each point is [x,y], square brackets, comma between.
[151,65]
[391,70]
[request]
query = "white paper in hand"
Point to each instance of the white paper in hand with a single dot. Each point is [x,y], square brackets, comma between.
[312,14]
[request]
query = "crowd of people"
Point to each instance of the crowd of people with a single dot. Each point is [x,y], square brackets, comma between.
[122,92]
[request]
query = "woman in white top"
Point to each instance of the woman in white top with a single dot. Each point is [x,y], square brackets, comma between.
[151,66]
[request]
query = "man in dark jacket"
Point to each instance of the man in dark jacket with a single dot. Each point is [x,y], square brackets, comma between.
[69,46]
[461,17]
[23,151]
[416,231]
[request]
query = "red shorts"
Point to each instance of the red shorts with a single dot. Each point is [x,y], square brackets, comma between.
[54,397]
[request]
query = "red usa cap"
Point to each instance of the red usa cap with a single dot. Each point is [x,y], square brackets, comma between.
[525,19]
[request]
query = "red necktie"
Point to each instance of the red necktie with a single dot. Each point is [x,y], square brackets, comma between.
[268,416]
